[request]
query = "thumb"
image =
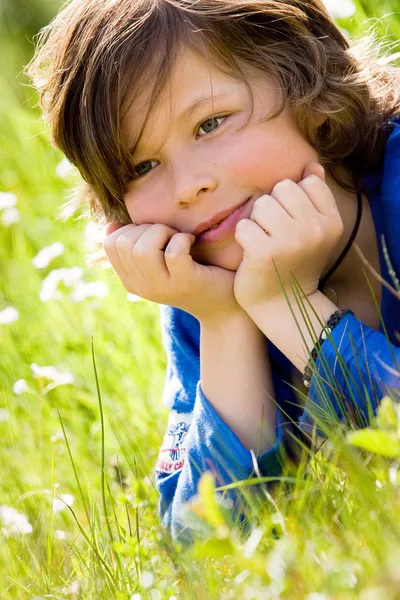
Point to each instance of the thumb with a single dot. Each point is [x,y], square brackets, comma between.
[314,169]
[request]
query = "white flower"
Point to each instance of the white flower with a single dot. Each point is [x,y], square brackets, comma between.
[59,534]
[252,542]
[13,522]
[253,592]
[20,387]
[224,501]
[64,168]
[60,503]
[146,579]
[10,216]
[50,283]
[57,436]
[4,415]
[45,255]
[49,289]
[72,589]
[82,290]
[8,315]
[7,200]
[340,9]
[136,597]
[241,577]
[279,559]
[49,372]
[69,277]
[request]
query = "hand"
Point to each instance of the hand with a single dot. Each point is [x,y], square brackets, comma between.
[111,227]
[298,226]
[153,261]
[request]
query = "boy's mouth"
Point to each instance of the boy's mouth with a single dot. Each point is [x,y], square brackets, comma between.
[215,221]
[225,227]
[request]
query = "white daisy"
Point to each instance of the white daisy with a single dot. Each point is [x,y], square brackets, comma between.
[92,289]
[45,255]
[20,387]
[7,200]
[10,216]
[13,522]
[8,315]
[63,500]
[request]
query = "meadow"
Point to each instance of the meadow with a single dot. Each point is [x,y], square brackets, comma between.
[81,418]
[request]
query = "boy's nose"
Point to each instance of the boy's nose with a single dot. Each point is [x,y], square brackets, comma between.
[193,173]
[190,188]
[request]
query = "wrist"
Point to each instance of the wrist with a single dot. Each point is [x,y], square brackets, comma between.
[285,326]
[280,305]
[232,319]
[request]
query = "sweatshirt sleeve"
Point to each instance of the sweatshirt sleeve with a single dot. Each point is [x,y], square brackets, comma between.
[197,438]
[362,366]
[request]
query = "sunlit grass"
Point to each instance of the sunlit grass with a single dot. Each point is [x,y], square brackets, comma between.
[330,529]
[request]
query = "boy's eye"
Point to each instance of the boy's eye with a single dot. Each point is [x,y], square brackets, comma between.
[142,168]
[211,124]
[208,126]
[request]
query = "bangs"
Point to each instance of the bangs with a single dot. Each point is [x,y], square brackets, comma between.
[128,66]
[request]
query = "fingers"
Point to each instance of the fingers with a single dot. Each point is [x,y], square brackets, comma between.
[154,262]
[318,192]
[320,195]
[111,227]
[146,255]
[118,246]
[314,169]
[149,251]
[253,240]
[268,212]
[301,200]
[177,254]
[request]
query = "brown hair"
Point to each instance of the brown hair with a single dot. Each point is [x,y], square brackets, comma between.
[93,59]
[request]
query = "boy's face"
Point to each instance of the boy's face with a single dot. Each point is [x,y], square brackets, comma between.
[201,171]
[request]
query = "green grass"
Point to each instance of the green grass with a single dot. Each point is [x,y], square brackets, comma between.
[330,530]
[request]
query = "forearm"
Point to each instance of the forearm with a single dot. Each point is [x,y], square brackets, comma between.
[276,321]
[236,378]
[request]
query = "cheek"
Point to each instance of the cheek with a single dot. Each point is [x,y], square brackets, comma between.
[269,157]
[146,206]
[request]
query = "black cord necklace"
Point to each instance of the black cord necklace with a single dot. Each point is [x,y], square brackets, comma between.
[347,248]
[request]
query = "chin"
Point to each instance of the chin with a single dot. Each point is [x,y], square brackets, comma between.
[228,258]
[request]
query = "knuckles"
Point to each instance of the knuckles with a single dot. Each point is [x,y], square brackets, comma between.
[123,242]
[318,232]
[140,250]
[339,226]
[260,205]
[282,185]
[262,201]
[108,243]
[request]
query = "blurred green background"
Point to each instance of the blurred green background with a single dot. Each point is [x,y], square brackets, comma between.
[58,332]
[35,465]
